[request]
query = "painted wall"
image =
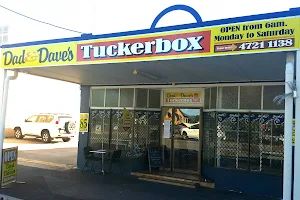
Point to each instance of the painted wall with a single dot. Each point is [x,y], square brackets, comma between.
[246,182]
[83,137]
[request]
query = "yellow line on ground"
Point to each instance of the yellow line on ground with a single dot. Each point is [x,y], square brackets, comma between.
[43,163]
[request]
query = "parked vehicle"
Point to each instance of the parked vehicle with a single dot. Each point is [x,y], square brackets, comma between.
[190,131]
[47,126]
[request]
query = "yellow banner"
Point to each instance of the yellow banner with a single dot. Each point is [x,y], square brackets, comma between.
[84,122]
[256,36]
[183,97]
[9,165]
[240,38]
[41,55]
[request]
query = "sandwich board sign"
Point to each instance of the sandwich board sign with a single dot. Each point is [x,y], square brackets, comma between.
[9,166]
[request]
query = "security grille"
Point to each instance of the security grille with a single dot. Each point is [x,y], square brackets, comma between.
[245,141]
[140,132]
[120,138]
[146,131]
[209,137]
[106,131]
[99,129]
[266,145]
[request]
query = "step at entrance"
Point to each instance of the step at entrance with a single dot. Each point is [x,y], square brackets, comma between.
[183,180]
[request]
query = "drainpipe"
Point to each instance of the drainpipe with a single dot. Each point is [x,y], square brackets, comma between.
[297,133]
[4,105]
[288,126]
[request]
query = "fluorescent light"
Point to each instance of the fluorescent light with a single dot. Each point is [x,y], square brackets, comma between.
[143,74]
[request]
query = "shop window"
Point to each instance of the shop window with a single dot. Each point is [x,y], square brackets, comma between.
[206,98]
[250,97]
[269,93]
[232,149]
[106,131]
[154,99]
[112,98]
[228,97]
[141,98]
[266,143]
[99,129]
[251,142]
[98,97]
[213,100]
[126,97]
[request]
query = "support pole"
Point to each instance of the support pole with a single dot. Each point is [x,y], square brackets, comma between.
[297,131]
[288,126]
[3,107]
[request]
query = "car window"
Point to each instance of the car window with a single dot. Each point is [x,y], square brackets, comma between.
[32,118]
[42,119]
[50,118]
[195,126]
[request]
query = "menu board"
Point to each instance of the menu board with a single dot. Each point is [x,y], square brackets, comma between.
[154,157]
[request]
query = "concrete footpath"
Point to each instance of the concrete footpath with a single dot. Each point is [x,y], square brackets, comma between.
[73,185]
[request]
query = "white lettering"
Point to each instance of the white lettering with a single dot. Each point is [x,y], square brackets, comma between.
[123,49]
[163,46]
[111,50]
[148,47]
[99,52]
[195,43]
[157,46]
[137,48]
[86,51]
[180,44]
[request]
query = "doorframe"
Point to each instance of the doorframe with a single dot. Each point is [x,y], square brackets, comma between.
[200,141]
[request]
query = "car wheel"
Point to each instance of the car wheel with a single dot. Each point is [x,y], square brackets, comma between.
[184,135]
[46,137]
[18,133]
[66,139]
[70,127]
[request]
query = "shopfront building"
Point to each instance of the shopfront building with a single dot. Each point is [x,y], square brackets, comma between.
[202,92]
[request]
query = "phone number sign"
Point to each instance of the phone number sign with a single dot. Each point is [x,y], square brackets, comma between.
[84,122]
[9,165]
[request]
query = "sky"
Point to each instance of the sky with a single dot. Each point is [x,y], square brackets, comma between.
[29,94]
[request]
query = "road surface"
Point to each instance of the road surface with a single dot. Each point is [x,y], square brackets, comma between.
[33,152]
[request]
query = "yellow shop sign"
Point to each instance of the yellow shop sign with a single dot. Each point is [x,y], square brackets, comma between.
[183,97]
[41,55]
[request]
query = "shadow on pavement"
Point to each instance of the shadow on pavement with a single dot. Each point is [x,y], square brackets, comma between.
[72,184]
[30,140]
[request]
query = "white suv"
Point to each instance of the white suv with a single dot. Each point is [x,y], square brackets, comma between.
[190,131]
[47,126]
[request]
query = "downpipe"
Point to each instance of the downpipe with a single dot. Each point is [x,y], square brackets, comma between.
[4,107]
[288,148]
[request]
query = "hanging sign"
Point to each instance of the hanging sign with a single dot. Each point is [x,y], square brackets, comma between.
[9,165]
[84,122]
[127,119]
[183,97]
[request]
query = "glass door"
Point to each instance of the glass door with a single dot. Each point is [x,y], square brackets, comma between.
[186,139]
[166,137]
[181,138]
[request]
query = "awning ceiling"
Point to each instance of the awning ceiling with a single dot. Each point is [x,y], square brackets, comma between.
[236,68]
